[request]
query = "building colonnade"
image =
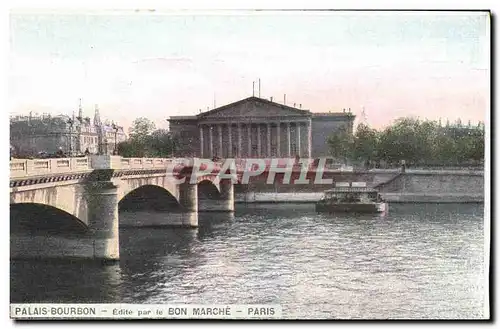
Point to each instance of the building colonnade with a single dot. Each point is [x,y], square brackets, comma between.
[256,140]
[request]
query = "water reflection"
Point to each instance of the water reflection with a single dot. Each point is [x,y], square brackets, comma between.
[148,254]
[213,223]
[60,281]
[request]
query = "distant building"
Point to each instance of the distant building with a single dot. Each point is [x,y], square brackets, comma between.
[32,135]
[256,127]
[458,129]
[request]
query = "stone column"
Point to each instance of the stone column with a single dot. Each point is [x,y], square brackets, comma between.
[219,131]
[278,137]
[188,199]
[269,140]
[239,141]
[211,140]
[297,126]
[249,127]
[102,212]
[258,141]
[309,138]
[230,131]
[289,139]
[201,141]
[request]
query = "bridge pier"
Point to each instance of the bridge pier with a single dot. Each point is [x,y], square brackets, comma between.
[102,205]
[188,199]
[227,195]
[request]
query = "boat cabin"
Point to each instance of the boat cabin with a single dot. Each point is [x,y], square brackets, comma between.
[352,195]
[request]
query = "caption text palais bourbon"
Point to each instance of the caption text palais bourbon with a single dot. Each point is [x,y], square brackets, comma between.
[139,311]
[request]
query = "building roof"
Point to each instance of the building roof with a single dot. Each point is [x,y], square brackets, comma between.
[291,109]
[315,115]
[183,117]
[253,98]
[110,128]
[333,114]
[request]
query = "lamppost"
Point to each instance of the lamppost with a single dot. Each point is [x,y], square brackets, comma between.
[115,128]
[70,122]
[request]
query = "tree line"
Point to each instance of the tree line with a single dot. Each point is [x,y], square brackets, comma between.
[147,141]
[417,142]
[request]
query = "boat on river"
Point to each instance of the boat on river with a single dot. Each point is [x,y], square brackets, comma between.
[352,197]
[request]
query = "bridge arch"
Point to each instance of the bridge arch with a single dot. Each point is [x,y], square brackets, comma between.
[42,219]
[215,197]
[125,186]
[149,197]
[207,189]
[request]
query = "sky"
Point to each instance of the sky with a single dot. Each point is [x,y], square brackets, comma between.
[143,64]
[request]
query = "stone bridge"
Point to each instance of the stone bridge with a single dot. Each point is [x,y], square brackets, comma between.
[69,207]
[87,191]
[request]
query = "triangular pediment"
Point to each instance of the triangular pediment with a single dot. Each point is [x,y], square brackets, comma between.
[253,107]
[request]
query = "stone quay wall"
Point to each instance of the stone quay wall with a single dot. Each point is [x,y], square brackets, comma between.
[412,186]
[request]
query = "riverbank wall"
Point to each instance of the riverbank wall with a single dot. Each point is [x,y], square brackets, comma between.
[411,186]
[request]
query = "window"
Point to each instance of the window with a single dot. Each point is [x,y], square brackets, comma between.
[254,150]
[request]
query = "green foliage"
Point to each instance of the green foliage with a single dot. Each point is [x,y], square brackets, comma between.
[162,143]
[365,143]
[145,141]
[341,144]
[412,140]
[141,127]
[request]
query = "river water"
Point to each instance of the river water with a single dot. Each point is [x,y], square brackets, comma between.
[419,261]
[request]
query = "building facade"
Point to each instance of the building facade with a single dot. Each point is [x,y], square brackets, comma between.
[457,129]
[258,128]
[38,134]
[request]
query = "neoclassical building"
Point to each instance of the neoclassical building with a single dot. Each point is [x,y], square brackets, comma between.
[258,128]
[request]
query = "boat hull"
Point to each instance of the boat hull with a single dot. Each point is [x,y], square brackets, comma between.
[378,207]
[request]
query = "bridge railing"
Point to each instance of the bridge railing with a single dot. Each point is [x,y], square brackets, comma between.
[145,163]
[35,167]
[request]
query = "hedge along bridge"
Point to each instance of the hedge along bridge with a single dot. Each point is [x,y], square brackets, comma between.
[68,207]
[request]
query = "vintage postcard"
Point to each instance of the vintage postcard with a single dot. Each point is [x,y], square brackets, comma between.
[250,164]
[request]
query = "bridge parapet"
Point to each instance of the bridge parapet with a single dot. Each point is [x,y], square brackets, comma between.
[145,163]
[38,167]
[20,168]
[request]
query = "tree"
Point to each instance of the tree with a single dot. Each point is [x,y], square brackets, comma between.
[145,141]
[426,142]
[130,149]
[141,128]
[341,144]
[365,143]
[426,134]
[477,153]
[444,148]
[405,140]
[162,143]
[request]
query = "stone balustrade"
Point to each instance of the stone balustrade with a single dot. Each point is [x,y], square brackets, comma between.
[20,168]
[40,167]
[145,163]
